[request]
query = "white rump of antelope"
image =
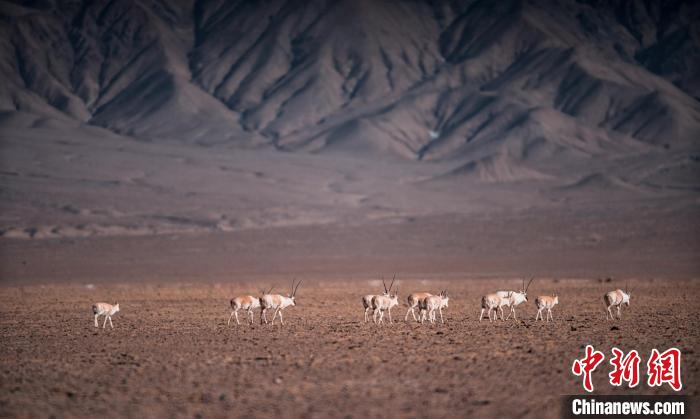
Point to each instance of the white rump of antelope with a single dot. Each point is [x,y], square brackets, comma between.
[512,299]
[428,305]
[616,299]
[278,303]
[108,310]
[367,299]
[247,303]
[546,302]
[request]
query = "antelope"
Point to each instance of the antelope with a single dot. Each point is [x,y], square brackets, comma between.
[430,304]
[546,302]
[516,298]
[108,310]
[247,303]
[367,299]
[382,303]
[616,299]
[505,301]
[277,302]
[413,302]
[491,302]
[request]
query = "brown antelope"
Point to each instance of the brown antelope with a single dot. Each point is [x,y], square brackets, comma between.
[491,302]
[428,305]
[367,299]
[381,303]
[247,303]
[413,302]
[616,299]
[278,303]
[514,298]
[108,310]
[546,302]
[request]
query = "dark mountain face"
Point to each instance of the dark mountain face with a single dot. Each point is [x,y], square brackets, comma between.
[422,79]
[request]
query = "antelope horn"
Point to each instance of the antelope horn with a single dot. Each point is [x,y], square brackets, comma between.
[271,288]
[392,282]
[528,284]
[384,283]
[295,289]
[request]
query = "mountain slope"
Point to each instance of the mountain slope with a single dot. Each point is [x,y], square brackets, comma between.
[424,80]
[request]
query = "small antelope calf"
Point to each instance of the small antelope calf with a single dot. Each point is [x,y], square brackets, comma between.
[546,302]
[414,301]
[381,303]
[367,299]
[278,303]
[247,303]
[432,303]
[108,310]
[616,299]
[491,302]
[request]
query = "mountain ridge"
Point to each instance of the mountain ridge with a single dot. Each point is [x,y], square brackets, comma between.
[423,80]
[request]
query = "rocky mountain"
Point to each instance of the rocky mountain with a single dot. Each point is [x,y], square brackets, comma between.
[507,82]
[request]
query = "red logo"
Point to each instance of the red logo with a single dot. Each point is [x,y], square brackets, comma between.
[586,365]
[662,368]
[665,368]
[625,368]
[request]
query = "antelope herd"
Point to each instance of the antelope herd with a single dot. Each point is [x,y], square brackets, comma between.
[380,304]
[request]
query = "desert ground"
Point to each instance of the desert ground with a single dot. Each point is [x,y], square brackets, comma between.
[172,354]
[173,233]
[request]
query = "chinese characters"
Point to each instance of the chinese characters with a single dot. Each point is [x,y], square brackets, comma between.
[662,368]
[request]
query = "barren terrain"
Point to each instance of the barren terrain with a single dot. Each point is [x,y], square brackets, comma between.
[171,155]
[172,354]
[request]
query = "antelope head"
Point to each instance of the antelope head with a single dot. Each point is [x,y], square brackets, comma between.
[626,295]
[294,292]
[387,291]
[445,298]
[395,296]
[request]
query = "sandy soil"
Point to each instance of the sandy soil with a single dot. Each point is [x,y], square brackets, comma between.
[172,354]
